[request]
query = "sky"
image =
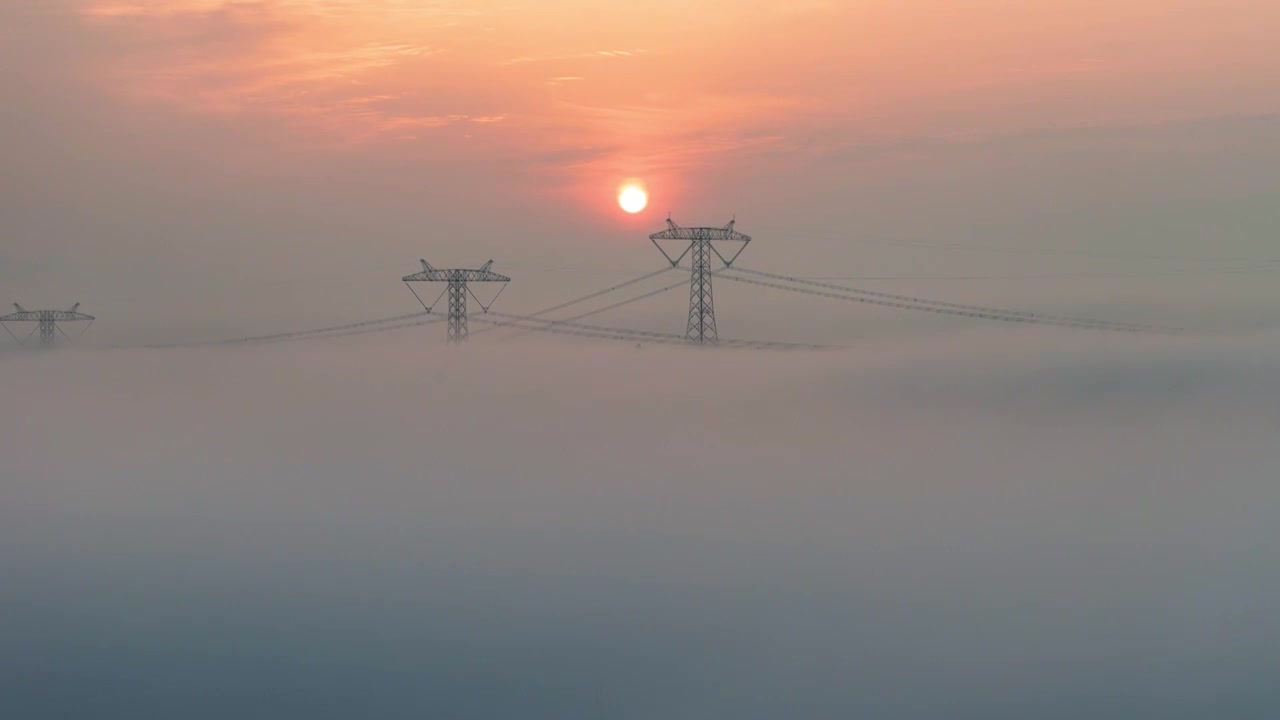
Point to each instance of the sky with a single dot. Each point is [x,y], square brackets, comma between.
[213,168]
[937,517]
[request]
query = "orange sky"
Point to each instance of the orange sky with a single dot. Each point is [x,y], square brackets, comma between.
[594,91]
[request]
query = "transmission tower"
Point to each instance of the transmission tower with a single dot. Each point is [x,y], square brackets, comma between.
[702,311]
[48,322]
[457,291]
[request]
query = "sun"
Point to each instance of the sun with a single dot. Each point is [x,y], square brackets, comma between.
[632,197]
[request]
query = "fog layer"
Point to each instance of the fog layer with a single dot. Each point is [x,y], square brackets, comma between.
[1054,525]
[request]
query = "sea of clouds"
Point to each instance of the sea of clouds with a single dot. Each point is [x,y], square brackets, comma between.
[978,523]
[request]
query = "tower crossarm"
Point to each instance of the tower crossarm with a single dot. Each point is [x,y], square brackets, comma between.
[457,290]
[676,232]
[699,245]
[46,316]
[47,320]
[432,274]
[704,237]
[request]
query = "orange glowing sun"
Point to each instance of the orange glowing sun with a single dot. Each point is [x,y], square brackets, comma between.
[632,197]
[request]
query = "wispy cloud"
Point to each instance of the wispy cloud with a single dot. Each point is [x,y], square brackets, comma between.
[1037,72]
[302,58]
[525,59]
[541,83]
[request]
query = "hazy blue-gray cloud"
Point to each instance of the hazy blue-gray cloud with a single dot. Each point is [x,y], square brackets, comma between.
[989,524]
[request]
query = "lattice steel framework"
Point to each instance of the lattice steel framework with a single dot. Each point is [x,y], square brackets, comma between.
[702,313]
[702,309]
[457,290]
[48,321]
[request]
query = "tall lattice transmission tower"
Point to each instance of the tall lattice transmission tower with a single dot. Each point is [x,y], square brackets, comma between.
[47,321]
[457,291]
[702,310]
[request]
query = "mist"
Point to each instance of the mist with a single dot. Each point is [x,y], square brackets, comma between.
[934,518]
[983,522]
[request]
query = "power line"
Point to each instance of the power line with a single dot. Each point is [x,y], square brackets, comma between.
[288,335]
[622,303]
[947,305]
[387,328]
[533,324]
[1175,272]
[948,311]
[614,306]
[1056,252]
[606,291]
[589,296]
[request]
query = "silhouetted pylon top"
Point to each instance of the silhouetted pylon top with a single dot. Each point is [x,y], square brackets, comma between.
[458,279]
[675,232]
[433,274]
[25,315]
[694,235]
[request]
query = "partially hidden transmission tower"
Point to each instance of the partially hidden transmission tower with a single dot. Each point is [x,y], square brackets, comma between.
[48,322]
[702,311]
[457,290]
